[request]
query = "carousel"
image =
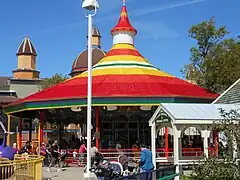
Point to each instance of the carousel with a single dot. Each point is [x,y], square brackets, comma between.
[126,90]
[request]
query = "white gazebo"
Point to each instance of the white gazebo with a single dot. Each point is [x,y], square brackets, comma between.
[182,116]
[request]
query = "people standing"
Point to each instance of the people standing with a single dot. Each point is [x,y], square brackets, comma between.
[95,154]
[82,152]
[55,156]
[27,149]
[74,155]
[146,163]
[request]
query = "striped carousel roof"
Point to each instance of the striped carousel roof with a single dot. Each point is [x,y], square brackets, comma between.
[122,78]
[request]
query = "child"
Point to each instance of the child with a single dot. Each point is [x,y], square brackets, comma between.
[75,155]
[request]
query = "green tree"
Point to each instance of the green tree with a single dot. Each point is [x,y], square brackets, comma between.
[227,166]
[55,79]
[214,61]
[222,65]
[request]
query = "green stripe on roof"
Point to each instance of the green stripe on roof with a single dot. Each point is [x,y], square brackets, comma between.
[96,102]
[124,64]
[64,103]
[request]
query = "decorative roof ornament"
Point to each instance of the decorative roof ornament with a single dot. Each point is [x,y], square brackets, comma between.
[124,2]
[124,23]
[26,48]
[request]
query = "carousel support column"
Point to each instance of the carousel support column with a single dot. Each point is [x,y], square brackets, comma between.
[153,139]
[42,116]
[205,135]
[166,142]
[176,136]
[20,132]
[216,142]
[9,130]
[30,130]
[97,127]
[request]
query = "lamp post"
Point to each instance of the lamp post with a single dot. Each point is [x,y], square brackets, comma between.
[91,6]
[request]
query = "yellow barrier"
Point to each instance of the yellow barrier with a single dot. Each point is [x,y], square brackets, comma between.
[23,167]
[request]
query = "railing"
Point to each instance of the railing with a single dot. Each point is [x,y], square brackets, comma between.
[23,167]
[113,154]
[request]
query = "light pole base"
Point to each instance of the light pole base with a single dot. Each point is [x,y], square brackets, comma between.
[90,176]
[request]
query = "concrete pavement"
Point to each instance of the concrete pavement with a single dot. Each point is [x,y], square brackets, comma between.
[69,173]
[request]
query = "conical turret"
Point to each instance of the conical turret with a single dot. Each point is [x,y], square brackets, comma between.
[123,32]
[26,48]
[26,54]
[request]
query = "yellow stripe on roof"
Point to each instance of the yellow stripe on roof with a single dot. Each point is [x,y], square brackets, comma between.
[123,46]
[128,71]
[122,58]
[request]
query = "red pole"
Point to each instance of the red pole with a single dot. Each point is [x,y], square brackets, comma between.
[42,114]
[215,135]
[166,142]
[30,130]
[20,132]
[97,126]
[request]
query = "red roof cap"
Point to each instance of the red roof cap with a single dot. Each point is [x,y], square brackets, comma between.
[123,22]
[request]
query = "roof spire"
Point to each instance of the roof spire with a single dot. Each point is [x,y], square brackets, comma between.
[124,22]
[26,48]
[124,2]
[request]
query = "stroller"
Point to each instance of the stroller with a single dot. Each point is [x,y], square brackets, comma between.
[129,165]
[105,169]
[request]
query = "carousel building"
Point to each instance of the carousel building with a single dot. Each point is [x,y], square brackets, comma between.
[126,90]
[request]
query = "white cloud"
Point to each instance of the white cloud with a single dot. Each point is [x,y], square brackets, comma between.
[108,6]
[153,9]
[113,5]
[153,29]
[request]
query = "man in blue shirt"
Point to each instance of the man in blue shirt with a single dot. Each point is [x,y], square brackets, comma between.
[146,163]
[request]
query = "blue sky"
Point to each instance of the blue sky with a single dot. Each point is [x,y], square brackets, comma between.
[58,29]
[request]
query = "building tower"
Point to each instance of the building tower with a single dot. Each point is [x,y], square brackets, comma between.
[96,37]
[26,54]
[80,64]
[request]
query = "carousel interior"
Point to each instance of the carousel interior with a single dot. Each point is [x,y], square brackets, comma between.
[110,125]
[125,125]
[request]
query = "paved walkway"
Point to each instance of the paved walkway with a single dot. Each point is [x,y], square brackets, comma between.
[70,173]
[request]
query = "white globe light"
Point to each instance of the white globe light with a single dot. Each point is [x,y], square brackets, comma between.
[146,108]
[76,108]
[111,108]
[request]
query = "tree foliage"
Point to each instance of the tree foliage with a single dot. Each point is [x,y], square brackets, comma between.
[214,61]
[226,166]
[55,79]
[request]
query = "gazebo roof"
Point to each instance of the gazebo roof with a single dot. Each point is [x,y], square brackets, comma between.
[196,113]
[122,78]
